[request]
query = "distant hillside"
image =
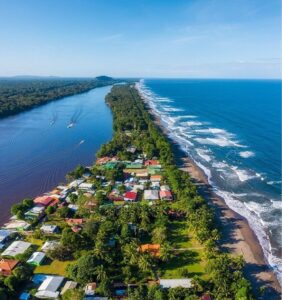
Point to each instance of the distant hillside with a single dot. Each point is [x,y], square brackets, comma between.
[20,93]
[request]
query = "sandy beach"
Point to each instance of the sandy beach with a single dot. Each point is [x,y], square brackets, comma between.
[237,236]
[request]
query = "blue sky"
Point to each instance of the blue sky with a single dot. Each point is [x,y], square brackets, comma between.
[145,38]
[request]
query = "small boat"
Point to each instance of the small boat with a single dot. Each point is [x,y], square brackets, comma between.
[81,142]
[70,125]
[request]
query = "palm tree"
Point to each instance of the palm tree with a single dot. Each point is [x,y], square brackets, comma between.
[101,273]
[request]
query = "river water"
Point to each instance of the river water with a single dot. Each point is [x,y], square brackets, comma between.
[38,147]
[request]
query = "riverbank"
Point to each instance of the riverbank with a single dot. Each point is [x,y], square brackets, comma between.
[237,236]
[38,148]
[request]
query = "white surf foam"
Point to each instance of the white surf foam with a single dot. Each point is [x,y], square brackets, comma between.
[246,154]
[224,139]
[204,154]
[222,142]
[192,123]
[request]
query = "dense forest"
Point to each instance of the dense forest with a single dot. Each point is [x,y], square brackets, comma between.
[19,94]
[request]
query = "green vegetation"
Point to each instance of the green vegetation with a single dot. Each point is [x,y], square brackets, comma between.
[20,94]
[136,243]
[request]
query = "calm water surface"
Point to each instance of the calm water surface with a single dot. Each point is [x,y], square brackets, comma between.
[37,148]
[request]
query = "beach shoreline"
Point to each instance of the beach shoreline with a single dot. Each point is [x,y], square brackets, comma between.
[238,238]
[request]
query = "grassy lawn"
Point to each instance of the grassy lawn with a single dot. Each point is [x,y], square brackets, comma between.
[34,241]
[189,257]
[183,262]
[55,267]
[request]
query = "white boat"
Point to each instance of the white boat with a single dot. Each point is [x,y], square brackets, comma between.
[81,142]
[70,125]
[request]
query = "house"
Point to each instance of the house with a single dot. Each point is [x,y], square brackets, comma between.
[90,288]
[173,283]
[155,178]
[5,235]
[115,196]
[152,162]
[73,207]
[137,187]
[134,165]
[15,224]
[36,258]
[72,222]
[154,170]
[142,175]
[165,188]
[17,247]
[151,195]
[49,245]
[24,296]
[69,285]
[130,196]
[35,212]
[153,249]
[85,186]
[49,229]
[131,149]
[49,287]
[166,195]
[76,183]
[7,266]
[43,201]
[103,160]
[155,185]
[206,297]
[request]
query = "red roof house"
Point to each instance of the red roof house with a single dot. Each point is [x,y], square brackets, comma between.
[130,196]
[152,162]
[165,195]
[7,266]
[72,222]
[43,200]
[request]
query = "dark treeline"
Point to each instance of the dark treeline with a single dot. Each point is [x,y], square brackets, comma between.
[17,95]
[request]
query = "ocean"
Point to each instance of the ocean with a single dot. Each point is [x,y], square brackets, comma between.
[232,131]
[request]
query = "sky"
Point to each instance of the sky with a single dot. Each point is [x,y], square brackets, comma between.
[141,38]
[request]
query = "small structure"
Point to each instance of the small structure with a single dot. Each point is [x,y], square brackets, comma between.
[49,245]
[7,266]
[36,212]
[151,195]
[15,224]
[49,229]
[131,149]
[36,258]
[73,207]
[134,165]
[130,196]
[85,186]
[17,247]
[69,285]
[155,178]
[103,160]
[166,195]
[76,183]
[165,188]
[153,249]
[43,200]
[173,283]
[5,235]
[90,288]
[49,287]
[137,187]
[73,222]
[24,296]
[152,162]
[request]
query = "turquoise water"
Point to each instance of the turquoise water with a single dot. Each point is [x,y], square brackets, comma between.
[232,130]
[37,148]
